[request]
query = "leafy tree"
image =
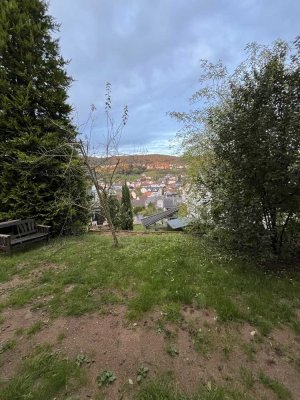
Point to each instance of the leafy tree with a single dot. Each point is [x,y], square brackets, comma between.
[113,205]
[138,210]
[150,209]
[183,210]
[41,175]
[244,145]
[126,209]
[115,211]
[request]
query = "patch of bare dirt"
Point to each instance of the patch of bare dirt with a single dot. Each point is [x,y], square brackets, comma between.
[112,343]
[12,284]
[17,320]
[37,273]
[190,313]
[7,287]
[247,332]
[69,288]
[286,337]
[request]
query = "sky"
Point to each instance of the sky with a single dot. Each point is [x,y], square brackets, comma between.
[150,51]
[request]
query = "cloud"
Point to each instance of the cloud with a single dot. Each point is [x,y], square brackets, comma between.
[150,52]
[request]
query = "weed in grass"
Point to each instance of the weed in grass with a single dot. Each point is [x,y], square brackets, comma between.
[81,359]
[106,378]
[141,373]
[200,339]
[2,319]
[281,391]
[171,312]
[8,345]
[36,327]
[160,326]
[247,378]
[169,335]
[171,350]
[43,375]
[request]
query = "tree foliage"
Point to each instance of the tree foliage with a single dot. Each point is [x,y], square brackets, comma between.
[126,214]
[115,211]
[149,210]
[244,146]
[41,175]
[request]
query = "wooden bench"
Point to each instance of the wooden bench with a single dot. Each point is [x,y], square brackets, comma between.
[20,231]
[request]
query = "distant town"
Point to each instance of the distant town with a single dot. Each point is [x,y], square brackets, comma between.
[156,182]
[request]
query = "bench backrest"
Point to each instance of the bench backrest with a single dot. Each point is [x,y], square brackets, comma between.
[25,227]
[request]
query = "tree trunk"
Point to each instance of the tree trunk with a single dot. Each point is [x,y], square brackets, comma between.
[274,233]
[101,195]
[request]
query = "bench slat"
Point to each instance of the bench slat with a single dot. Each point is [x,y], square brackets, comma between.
[26,227]
[6,224]
[22,231]
[29,237]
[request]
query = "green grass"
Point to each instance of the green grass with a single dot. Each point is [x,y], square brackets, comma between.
[36,327]
[61,337]
[161,390]
[19,331]
[296,326]
[138,228]
[278,388]
[249,350]
[8,345]
[44,375]
[85,274]
[247,378]
[164,271]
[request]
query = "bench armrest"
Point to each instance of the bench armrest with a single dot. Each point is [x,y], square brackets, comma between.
[5,241]
[43,228]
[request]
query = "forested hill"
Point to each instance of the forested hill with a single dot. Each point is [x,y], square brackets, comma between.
[149,161]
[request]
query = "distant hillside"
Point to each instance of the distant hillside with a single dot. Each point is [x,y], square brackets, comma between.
[146,162]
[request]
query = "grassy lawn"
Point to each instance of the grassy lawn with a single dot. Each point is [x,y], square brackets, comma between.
[166,271]
[84,275]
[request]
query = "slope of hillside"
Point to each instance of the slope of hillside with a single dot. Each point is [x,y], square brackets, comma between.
[149,161]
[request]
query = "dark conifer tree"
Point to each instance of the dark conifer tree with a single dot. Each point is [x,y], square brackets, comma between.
[126,209]
[41,174]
